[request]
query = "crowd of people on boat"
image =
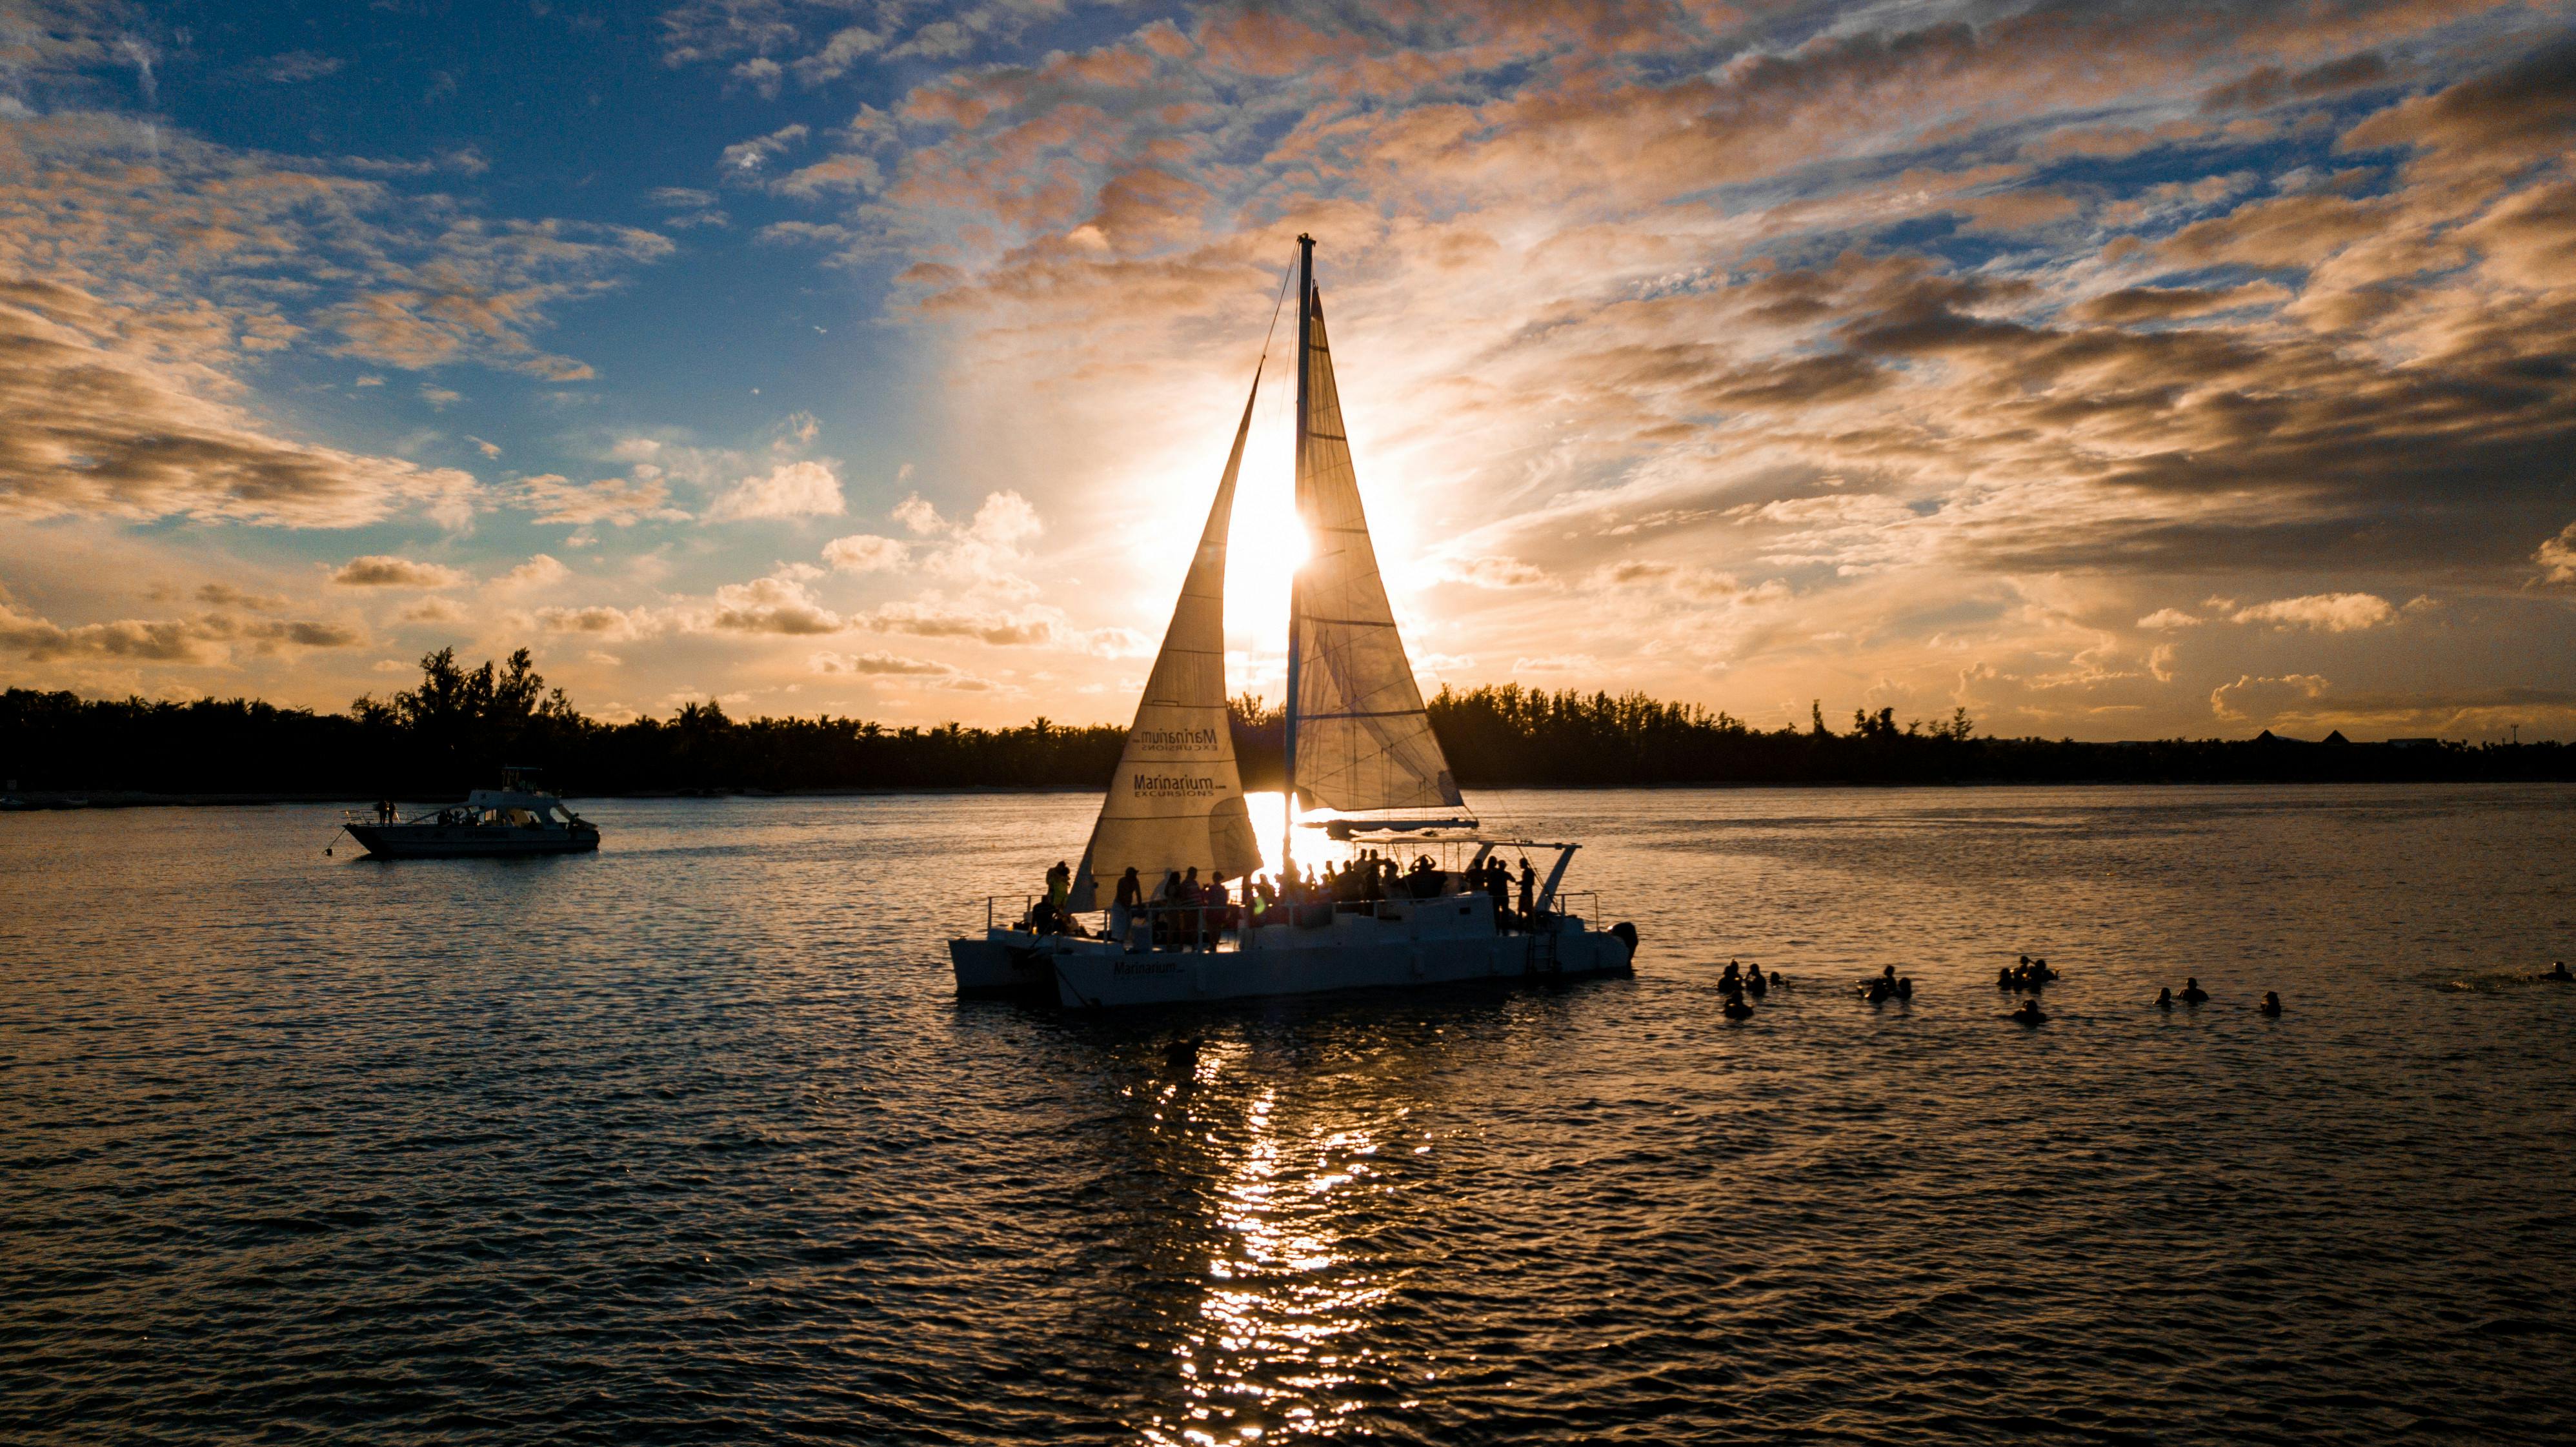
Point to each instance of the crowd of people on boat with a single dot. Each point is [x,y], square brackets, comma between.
[1183,911]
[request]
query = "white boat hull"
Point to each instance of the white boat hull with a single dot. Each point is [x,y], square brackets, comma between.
[1451,944]
[1003,962]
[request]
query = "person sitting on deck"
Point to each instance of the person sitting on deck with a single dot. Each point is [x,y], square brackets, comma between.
[2192,993]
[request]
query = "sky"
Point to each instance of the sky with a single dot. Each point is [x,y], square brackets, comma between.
[2106,370]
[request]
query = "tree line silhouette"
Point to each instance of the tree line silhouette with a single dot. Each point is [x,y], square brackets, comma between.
[459,726]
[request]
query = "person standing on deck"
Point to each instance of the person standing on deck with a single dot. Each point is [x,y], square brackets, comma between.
[1529,894]
[1122,910]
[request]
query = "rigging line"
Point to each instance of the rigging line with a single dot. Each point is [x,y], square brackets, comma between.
[1278,304]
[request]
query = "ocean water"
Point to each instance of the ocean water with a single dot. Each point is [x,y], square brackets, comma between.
[690,1141]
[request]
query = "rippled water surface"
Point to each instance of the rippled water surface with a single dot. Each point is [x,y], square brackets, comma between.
[690,1141]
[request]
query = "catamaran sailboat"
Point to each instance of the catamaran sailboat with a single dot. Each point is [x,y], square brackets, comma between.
[1359,743]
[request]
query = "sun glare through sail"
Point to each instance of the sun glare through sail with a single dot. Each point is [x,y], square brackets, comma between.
[1269,542]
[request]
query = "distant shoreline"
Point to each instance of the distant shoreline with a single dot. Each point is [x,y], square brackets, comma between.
[56,801]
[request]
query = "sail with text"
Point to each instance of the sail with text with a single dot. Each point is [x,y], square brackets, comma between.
[1362,740]
[1177,802]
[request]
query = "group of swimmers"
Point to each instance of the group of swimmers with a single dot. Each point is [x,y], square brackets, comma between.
[2028,977]
[1740,981]
[1187,913]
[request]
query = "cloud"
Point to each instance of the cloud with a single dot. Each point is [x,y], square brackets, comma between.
[791,489]
[204,638]
[600,621]
[916,514]
[538,571]
[2325,612]
[889,665]
[379,570]
[842,172]
[2557,556]
[225,595]
[1494,573]
[934,620]
[434,610]
[296,66]
[780,603]
[617,501]
[2168,619]
[95,422]
[865,553]
[747,158]
[2250,697]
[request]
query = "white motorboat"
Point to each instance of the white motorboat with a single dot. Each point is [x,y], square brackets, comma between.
[1359,745]
[517,818]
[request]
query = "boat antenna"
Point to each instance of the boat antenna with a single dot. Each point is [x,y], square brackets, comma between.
[1296,585]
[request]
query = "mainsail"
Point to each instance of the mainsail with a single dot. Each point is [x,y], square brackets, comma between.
[1177,802]
[1359,738]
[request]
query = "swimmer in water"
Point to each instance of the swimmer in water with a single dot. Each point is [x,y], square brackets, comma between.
[2192,993]
[1754,982]
[2271,1004]
[1736,1009]
[2164,998]
[2004,979]
[2030,1014]
[1905,988]
[2559,973]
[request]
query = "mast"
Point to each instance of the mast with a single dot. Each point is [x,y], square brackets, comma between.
[1296,584]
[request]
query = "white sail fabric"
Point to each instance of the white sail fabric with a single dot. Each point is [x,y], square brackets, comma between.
[1364,741]
[1177,801]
